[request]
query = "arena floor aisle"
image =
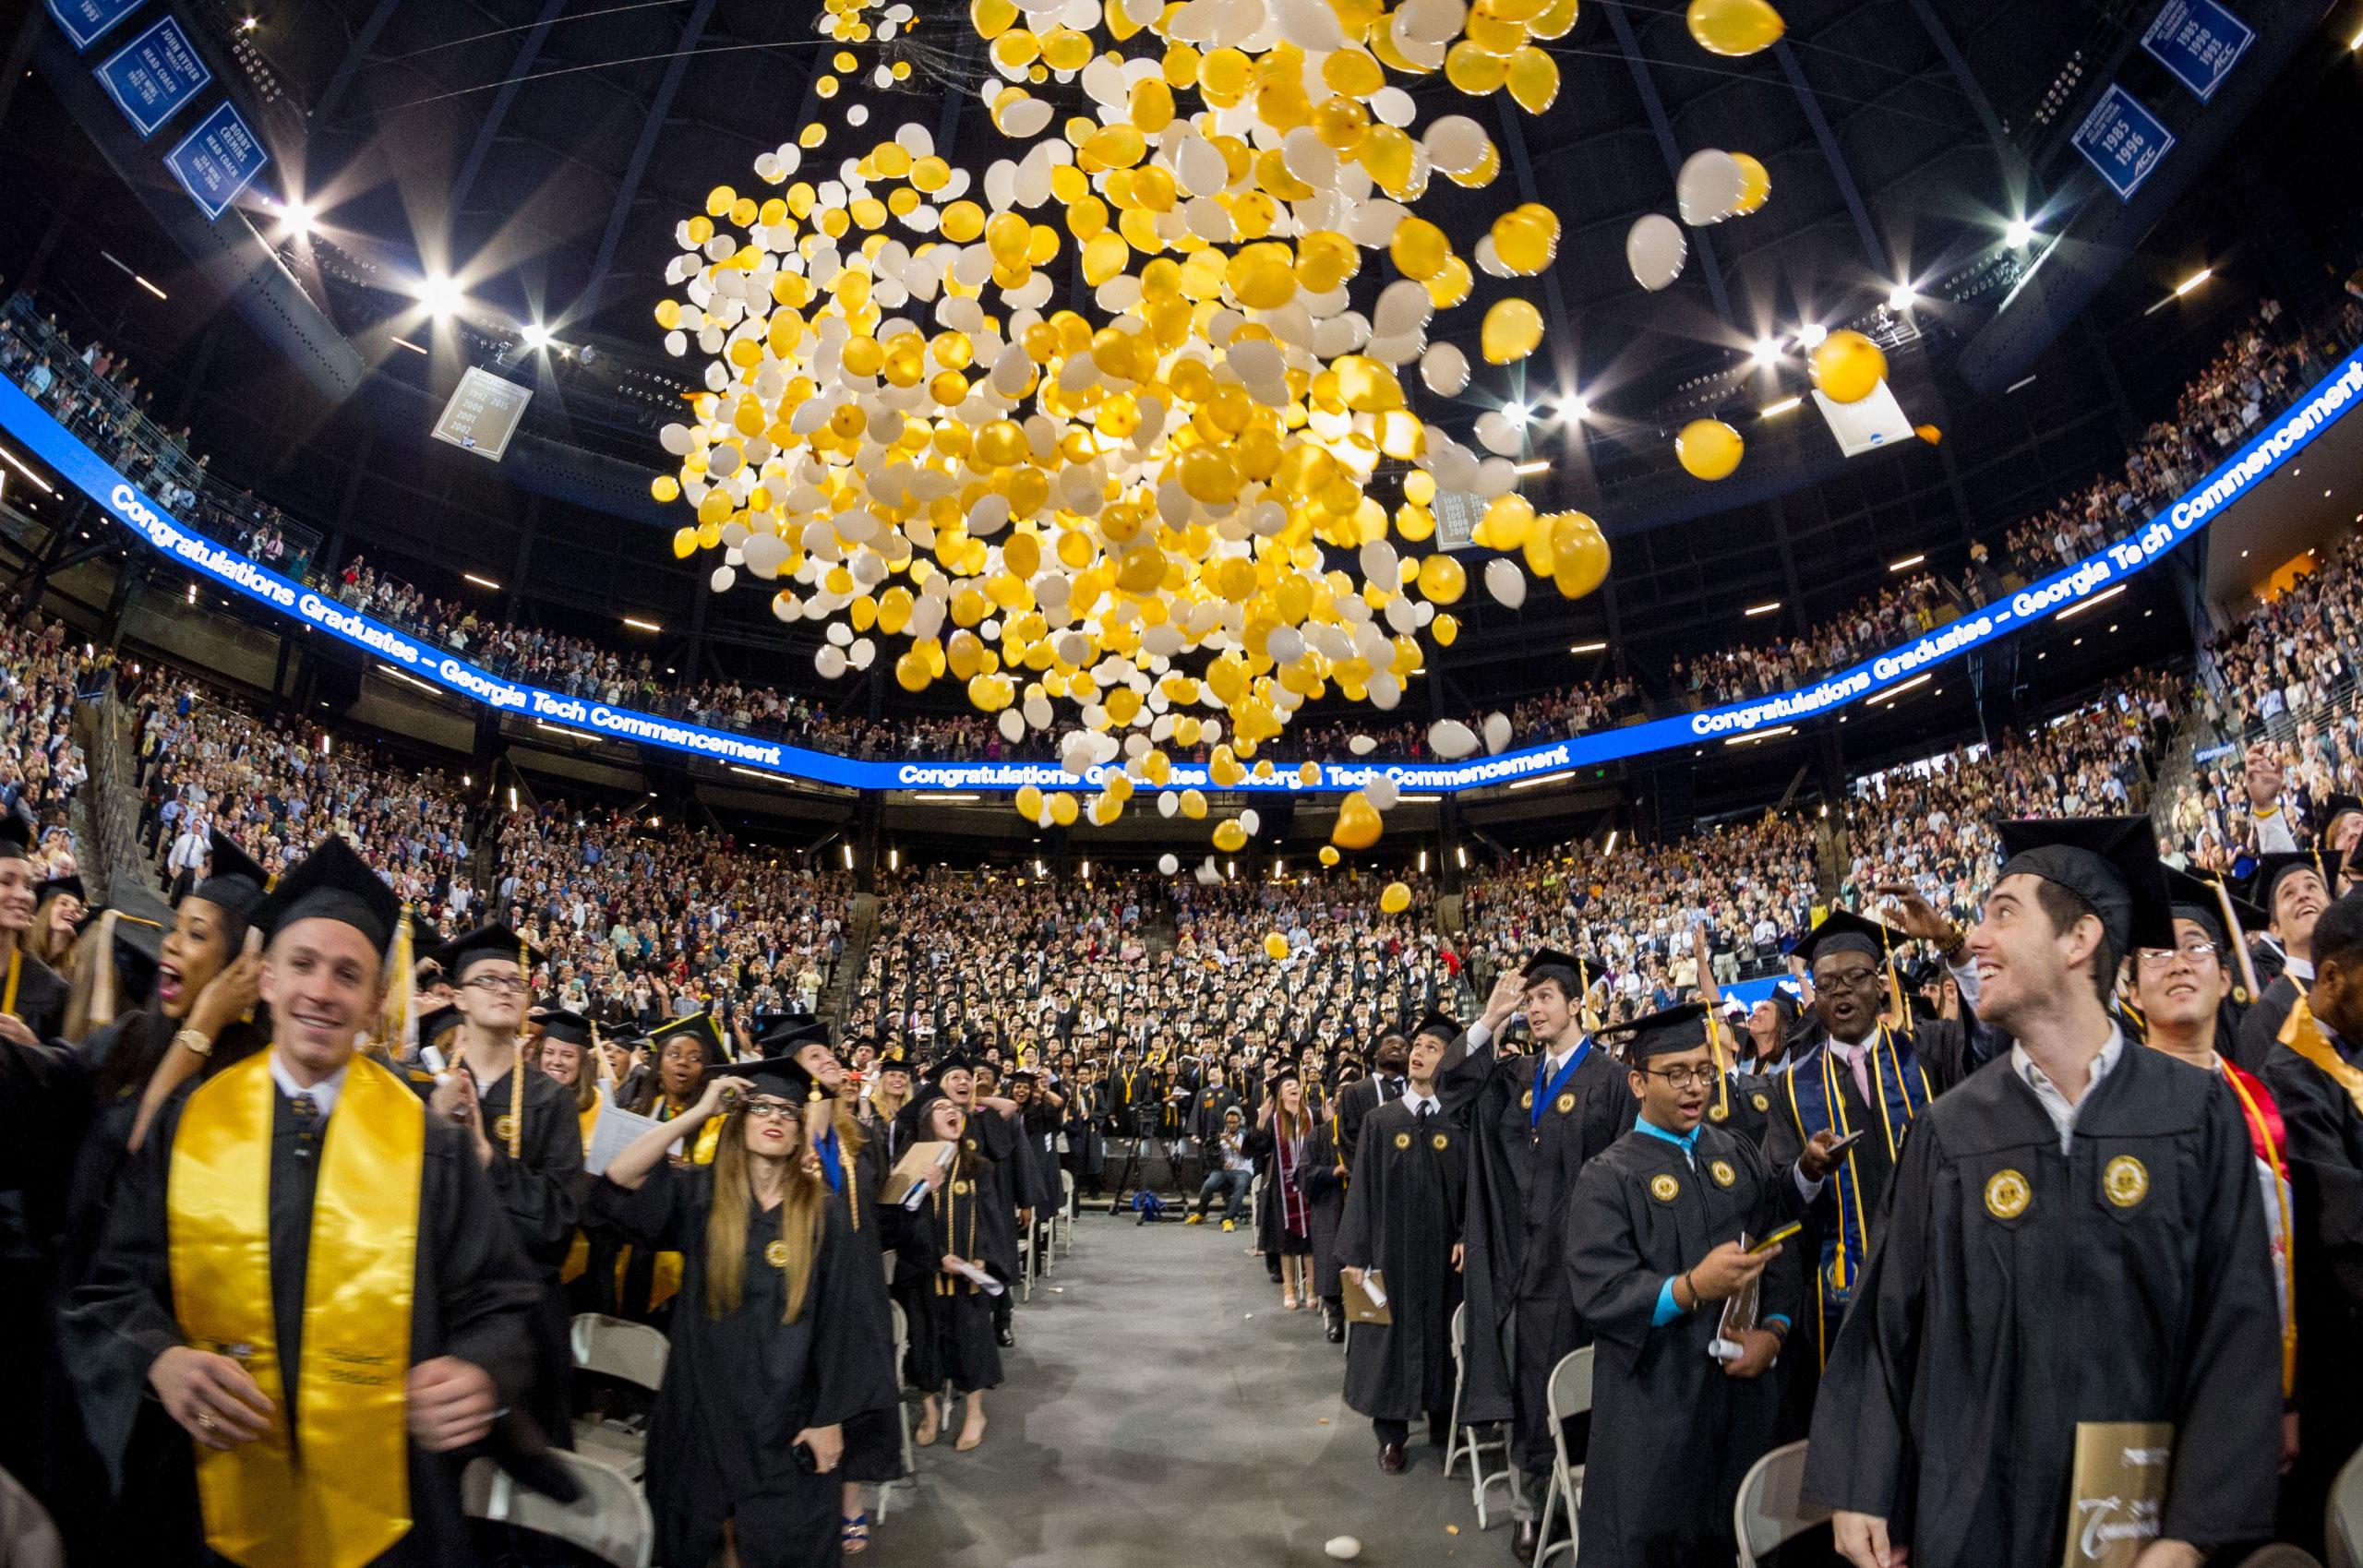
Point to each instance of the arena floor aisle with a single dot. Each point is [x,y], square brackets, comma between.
[1149,1419]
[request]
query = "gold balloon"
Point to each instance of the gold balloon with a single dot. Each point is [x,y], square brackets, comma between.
[1511,330]
[1358,823]
[1395,898]
[1276,946]
[1846,366]
[1734,28]
[1755,183]
[1229,837]
[1928,432]
[1580,557]
[1708,448]
[1064,809]
[1193,805]
[1329,855]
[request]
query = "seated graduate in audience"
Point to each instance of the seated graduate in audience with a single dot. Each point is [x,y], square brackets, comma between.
[941,1244]
[1661,1232]
[1402,1222]
[300,1253]
[2071,1169]
[773,1347]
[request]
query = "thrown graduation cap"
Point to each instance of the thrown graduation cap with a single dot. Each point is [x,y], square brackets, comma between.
[1441,1024]
[332,883]
[2271,870]
[698,1027]
[483,945]
[69,884]
[1682,1028]
[2194,899]
[786,1032]
[2110,862]
[1842,930]
[559,1024]
[235,882]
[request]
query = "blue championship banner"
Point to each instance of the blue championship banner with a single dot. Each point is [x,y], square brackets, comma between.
[154,76]
[2098,575]
[217,161]
[2123,140]
[87,21]
[2198,42]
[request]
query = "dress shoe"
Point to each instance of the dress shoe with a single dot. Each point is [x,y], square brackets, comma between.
[1333,1325]
[1523,1540]
[1007,1337]
[1390,1459]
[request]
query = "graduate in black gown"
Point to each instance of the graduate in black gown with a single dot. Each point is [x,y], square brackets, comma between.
[2293,892]
[1661,1226]
[774,1346]
[309,1273]
[1402,1218]
[947,1309]
[2075,1248]
[525,1132]
[32,995]
[854,1164]
[1535,1118]
[1321,1178]
[992,1131]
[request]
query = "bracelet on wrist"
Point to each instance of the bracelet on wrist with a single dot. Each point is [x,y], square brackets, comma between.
[195,1041]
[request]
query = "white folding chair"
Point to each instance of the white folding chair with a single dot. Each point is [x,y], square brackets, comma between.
[2343,1517]
[1567,1394]
[1770,1508]
[610,1520]
[1062,1223]
[1025,1264]
[901,1413]
[628,1352]
[1463,1442]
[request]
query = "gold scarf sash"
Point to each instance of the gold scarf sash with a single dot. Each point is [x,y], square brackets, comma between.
[2302,1032]
[329,1486]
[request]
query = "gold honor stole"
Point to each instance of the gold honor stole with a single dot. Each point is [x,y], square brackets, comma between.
[334,1490]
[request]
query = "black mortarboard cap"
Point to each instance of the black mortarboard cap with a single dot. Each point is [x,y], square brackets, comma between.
[1842,930]
[1576,976]
[1442,1024]
[893,1060]
[2110,862]
[1682,1028]
[786,1032]
[558,1023]
[332,883]
[698,1026]
[15,836]
[482,945]
[2194,899]
[68,883]
[436,1023]
[2271,869]
[235,884]
[139,952]
[950,1061]
[782,1075]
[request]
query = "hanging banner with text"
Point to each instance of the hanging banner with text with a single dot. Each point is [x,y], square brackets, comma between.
[87,21]
[2123,140]
[2099,576]
[217,161]
[154,76]
[2198,42]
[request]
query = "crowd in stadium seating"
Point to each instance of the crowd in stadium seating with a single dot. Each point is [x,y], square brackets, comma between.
[41,766]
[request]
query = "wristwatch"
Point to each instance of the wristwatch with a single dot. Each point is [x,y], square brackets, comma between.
[194,1041]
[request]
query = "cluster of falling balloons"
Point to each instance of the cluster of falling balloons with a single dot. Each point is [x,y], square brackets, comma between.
[1098,431]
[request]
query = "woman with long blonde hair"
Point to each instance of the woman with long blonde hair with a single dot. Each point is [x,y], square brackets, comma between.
[772,1350]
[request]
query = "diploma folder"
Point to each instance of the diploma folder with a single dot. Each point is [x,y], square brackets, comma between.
[2118,1491]
[909,1170]
[1364,1306]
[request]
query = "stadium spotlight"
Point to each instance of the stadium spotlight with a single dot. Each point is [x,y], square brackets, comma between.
[534,335]
[2020,235]
[296,218]
[439,296]
[1516,413]
[1766,352]
[1900,297]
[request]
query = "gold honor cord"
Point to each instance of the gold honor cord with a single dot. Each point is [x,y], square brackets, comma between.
[2287,1269]
[2302,1032]
[326,1486]
[1722,1077]
[16,965]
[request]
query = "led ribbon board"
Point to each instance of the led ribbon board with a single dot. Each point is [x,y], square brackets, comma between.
[2322,405]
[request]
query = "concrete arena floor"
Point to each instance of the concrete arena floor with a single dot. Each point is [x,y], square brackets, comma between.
[1146,1418]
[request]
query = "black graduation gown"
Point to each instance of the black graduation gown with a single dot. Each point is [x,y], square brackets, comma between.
[42,995]
[1672,1434]
[2011,1298]
[1744,1106]
[739,1389]
[1324,1199]
[1403,1217]
[2260,1026]
[1004,1182]
[873,1439]
[541,1190]
[951,1319]
[1520,1179]
[472,1297]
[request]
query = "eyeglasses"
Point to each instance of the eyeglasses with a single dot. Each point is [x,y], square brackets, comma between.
[768,1110]
[1851,979]
[1683,1077]
[497,985]
[2197,951]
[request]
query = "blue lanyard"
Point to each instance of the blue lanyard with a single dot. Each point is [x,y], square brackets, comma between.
[829,1166]
[1544,1095]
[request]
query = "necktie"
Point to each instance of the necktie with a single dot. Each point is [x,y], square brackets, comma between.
[306,1112]
[1858,1059]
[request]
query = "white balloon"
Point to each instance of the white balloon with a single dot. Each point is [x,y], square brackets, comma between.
[721,579]
[1708,189]
[1451,739]
[1393,106]
[1456,143]
[1381,793]
[1655,248]
[1506,582]
[1386,692]
[1167,864]
[1251,820]
[1167,803]
[1362,745]
[1309,25]
[1343,1547]
[1403,308]
[1497,733]
[1496,433]
[1012,726]
[1444,368]
[829,661]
